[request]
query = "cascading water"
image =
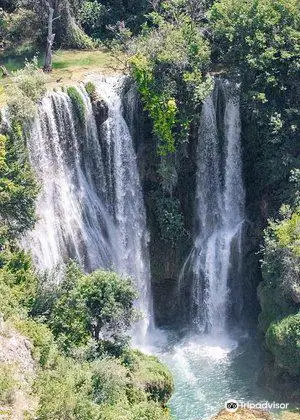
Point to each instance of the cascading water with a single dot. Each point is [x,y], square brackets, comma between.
[88,210]
[217,365]
[126,198]
[219,209]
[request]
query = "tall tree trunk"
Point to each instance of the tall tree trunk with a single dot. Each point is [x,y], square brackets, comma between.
[50,39]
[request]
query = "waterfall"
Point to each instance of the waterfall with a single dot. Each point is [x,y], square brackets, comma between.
[90,206]
[219,209]
[126,198]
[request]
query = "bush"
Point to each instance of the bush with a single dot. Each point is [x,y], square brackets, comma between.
[7,383]
[283,340]
[18,187]
[150,375]
[168,62]
[45,350]
[64,392]
[18,283]
[27,87]
[109,379]
[150,411]
[170,219]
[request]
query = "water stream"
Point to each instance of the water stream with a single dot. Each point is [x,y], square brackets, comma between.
[91,209]
[91,205]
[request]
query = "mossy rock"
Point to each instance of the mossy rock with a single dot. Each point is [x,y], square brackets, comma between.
[77,102]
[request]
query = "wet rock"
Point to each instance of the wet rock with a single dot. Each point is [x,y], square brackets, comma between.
[100,109]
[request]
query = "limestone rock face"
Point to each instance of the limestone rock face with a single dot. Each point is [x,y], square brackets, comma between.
[18,368]
[243,414]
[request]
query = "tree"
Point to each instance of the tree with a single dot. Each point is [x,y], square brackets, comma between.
[259,42]
[50,36]
[18,188]
[99,306]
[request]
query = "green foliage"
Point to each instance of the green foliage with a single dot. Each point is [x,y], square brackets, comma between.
[279,293]
[18,283]
[168,64]
[91,90]
[18,188]
[99,19]
[98,305]
[148,374]
[92,18]
[18,28]
[283,340]
[27,87]
[260,41]
[45,350]
[170,219]
[77,102]
[7,383]
[162,108]
[150,411]
[64,392]
[109,380]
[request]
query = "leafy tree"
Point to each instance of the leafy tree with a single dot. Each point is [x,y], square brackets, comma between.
[259,40]
[98,305]
[18,188]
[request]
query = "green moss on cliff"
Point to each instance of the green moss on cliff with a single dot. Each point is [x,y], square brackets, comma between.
[283,340]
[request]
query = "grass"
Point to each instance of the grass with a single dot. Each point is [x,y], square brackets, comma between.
[69,66]
[66,60]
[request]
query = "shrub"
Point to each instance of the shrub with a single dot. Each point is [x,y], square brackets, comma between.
[170,218]
[7,383]
[27,87]
[109,379]
[45,350]
[18,187]
[150,375]
[168,63]
[64,392]
[18,283]
[150,411]
[283,340]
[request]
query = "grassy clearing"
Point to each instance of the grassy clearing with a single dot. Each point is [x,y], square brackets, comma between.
[69,66]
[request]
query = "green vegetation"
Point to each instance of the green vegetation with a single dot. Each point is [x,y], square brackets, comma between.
[260,41]
[77,102]
[91,90]
[283,340]
[97,306]
[279,293]
[27,86]
[173,49]
[170,219]
[79,347]
[169,63]
[7,383]
[18,188]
